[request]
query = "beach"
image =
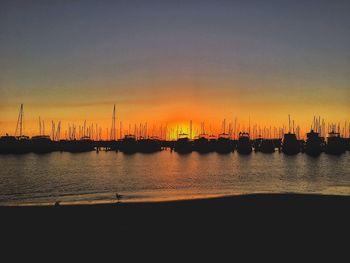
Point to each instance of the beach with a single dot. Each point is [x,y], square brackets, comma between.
[284,226]
[256,210]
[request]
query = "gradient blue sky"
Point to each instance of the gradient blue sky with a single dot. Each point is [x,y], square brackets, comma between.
[174,60]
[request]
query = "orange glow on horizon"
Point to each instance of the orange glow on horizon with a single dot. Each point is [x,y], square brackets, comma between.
[166,124]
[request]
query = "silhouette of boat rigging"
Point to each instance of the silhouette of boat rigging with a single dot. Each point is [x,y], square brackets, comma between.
[290,143]
[223,144]
[201,144]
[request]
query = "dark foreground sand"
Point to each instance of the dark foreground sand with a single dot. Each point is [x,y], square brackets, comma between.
[294,222]
[255,209]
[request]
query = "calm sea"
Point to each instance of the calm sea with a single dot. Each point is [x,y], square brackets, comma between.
[97,177]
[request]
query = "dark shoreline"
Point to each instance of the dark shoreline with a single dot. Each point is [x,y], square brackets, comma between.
[220,201]
[295,222]
[288,207]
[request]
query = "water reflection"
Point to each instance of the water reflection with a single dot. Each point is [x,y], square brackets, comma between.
[166,175]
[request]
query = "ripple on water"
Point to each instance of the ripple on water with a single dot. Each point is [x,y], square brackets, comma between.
[91,177]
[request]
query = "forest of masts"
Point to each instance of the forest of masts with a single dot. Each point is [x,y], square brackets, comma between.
[143,130]
[232,130]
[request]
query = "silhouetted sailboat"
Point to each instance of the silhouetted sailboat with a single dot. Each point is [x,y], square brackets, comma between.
[314,144]
[267,146]
[128,144]
[149,145]
[42,144]
[224,144]
[201,144]
[19,143]
[212,143]
[257,143]
[8,144]
[24,145]
[85,144]
[244,145]
[183,144]
[290,143]
[335,144]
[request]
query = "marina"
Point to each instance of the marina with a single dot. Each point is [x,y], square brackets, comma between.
[289,143]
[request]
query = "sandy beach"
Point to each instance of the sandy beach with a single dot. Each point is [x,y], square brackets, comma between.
[256,211]
[248,226]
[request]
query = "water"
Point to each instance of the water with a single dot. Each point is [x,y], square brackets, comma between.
[95,177]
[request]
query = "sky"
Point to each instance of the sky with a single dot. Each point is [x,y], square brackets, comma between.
[168,62]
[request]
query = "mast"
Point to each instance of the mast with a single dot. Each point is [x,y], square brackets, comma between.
[20,122]
[289,123]
[120,129]
[140,131]
[319,124]
[96,135]
[39,126]
[53,130]
[113,135]
[58,132]
[235,129]
[191,129]
[249,125]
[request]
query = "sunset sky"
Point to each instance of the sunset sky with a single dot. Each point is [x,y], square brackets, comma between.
[174,61]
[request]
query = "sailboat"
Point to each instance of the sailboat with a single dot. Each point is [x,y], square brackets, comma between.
[244,145]
[128,145]
[267,146]
[335,144]
[290,143]
[149,145]
[183,144]
[201,143]
[224,144]
[314,144]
